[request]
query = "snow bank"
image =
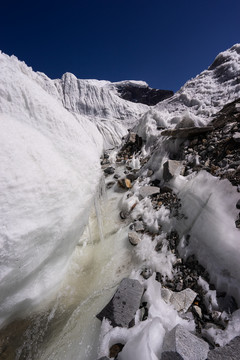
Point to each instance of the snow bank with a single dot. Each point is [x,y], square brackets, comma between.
[49,170]
[210,207]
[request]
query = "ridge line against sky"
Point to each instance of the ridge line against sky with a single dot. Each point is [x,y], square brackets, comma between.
[164,44]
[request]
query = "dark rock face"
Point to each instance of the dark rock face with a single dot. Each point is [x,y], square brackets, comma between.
[122,307]
[144,95]
[180,344]
[230,351]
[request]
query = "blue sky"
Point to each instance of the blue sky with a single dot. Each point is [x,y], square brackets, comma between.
[163,43]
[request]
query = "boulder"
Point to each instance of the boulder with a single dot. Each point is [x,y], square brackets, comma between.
[170,168]
[229,351]
[126,301]
[133,238]
[109,170]
[125,183]
[182,300]
[180,344]
[148,191]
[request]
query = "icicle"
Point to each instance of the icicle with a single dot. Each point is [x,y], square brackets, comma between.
[90,239]
[99,218]
[98,203]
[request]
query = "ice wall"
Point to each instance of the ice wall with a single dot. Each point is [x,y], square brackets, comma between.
[49,170]
[101,103]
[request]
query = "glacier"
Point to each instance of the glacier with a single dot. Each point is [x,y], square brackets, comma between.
[53,133]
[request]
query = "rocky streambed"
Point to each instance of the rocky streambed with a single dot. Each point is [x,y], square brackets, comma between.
[187,288]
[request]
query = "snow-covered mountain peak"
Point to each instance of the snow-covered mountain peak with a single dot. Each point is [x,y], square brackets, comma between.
[200,98]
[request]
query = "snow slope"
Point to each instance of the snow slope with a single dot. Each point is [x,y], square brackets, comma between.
[200,98]
[49,171]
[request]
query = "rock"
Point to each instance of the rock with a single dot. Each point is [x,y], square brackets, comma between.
[186,132]
[146,273]
[142,94]
[228,127]
[150,173]
[123,215]
[180,344]
[138,226]
[238,204]
[183,300]
[148,191]
[230,351]
[109,170]
[198,311]
[124,304]
[170,168]
[133,238]
[125,183]
[227,303]
[132,137]
[116,176]
[104,358]
[132,177]
[115,350]
[110,184]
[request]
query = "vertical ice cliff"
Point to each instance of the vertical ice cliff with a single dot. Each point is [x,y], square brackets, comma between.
[49,170]
[100,102]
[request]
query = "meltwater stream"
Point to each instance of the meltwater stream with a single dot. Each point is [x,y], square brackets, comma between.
[68,329]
